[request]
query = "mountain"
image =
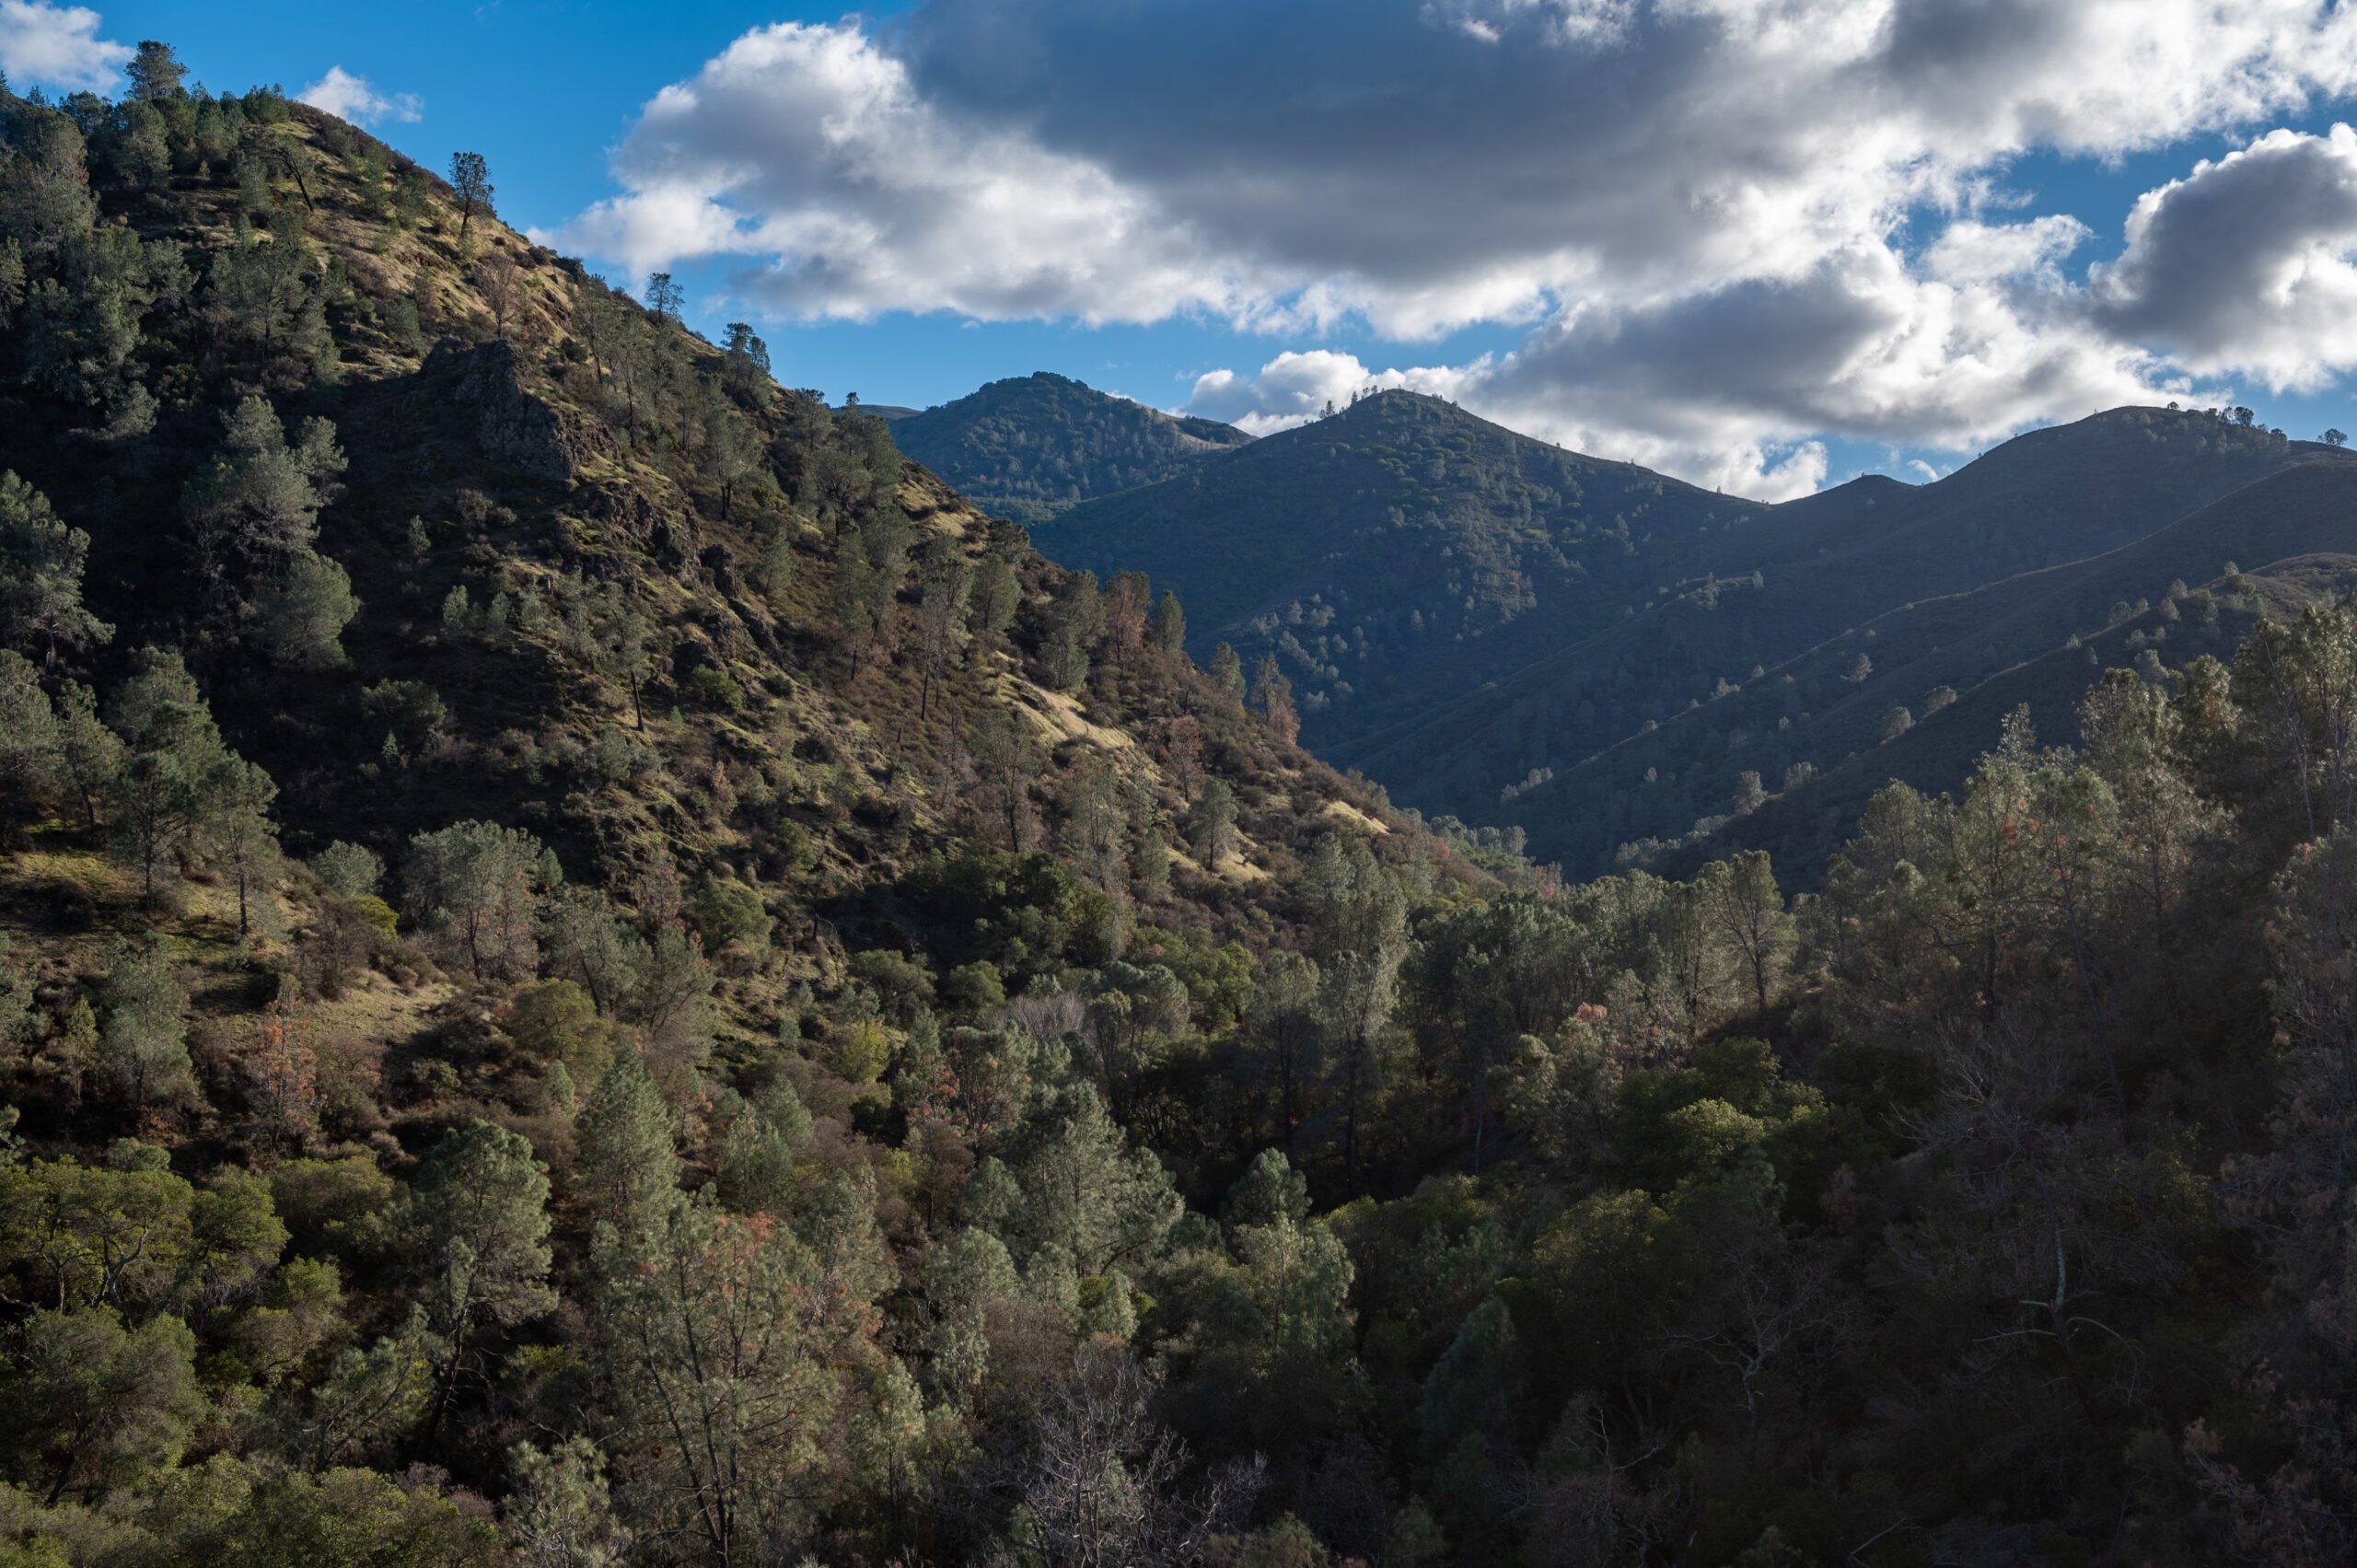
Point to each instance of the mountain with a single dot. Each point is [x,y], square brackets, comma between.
[1465,612]
[1803,826]
[1401,555]
[1834,701]
[1028,446]
[596,966]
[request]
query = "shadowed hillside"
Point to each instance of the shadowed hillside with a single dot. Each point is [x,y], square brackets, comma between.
[1463,613]
[1815,711]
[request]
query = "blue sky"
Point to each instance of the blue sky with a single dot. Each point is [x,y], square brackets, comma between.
[1668,230]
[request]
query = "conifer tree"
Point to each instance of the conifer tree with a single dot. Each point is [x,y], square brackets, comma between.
[628,1169]
[470,183]
[40,576]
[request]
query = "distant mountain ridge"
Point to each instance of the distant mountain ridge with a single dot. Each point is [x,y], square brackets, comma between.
[1939,660]
[1031,445]
[1468,615]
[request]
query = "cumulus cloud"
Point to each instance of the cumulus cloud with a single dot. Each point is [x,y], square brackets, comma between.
[2246,266]
[1729,226]
[352,98]
[57,46]
[1969,251]
[810,148]
[1296,386]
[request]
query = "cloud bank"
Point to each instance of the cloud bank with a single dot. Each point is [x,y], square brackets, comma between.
[1727,228]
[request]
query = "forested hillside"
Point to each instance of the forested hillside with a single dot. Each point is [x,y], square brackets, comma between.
[599,970]
[1466,614]
[1402,553]
[1028,446]
[1950,667]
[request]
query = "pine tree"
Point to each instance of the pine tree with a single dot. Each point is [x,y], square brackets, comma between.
[307,612]
[476,1220]
[40,576]
[470,183]
[629,1169]
[236,832]
[144,1046]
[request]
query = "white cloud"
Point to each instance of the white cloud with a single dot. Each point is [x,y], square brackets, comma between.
[348,96]
[1295,388]
[57,46]
[1969,251]
[2248,266]
[1700,209]
[809,147]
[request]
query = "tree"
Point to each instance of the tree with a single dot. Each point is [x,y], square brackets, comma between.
[713,1335]
[476,1219]
[472,882]
[1227,671]
[349,871]
[2336,438]
[307,612]
[664,297]
[89,755]
[500,283]
[29,740]
[1213,828]
[1099,1485]
[40,576]
[1286,1025]
[174,750]
[776,573]
[471,183]
[1004,763]
[560,1514]
[155,72]
[629,1172]
[236,830]
[585,940]
[745,367]
[1742,900]
[259,497]
[1084,1191]
[1274,694]
[144,1047]
[996,594]
[93,1406]
[944,586]
[1170,623]
[732,452]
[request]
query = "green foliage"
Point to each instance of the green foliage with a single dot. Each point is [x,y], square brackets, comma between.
[351,871]
[474,886]
[259,500]
[629,1172]
[41,561]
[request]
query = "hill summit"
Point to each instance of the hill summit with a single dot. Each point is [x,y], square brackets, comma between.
[1031,445]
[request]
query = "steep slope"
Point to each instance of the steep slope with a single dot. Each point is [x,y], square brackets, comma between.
[1031,445]
[1791,578]
[671,621]
[1836,700]
[1801,827]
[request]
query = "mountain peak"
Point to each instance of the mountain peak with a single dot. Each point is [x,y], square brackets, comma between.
[1031,445]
